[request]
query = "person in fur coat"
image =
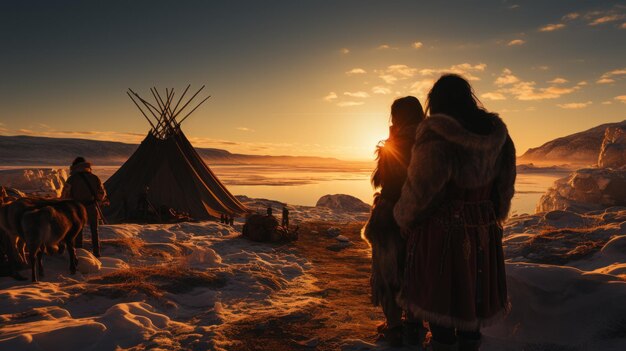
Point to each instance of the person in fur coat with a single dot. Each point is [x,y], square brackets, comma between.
[382,231]
[458,191]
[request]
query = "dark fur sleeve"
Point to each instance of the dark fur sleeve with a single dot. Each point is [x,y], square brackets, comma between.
[429,171]
[504,184]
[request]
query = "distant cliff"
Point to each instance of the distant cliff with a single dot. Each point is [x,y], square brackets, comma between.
[580,148]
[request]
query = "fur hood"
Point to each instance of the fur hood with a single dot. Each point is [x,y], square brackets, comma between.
[446,152]
[80,167]
[475,154]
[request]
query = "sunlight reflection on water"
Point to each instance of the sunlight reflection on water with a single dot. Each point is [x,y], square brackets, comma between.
[304,186]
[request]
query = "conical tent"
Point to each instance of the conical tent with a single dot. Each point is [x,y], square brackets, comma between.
[166,170]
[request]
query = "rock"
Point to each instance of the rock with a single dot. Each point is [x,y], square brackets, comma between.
[342,202]
[333,232]
[312,343]
[339,246]
[563,219]
[613,151]
[586,189]
[342,238]
[580,148]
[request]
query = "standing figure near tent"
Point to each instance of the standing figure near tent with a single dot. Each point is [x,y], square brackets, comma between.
[285,221]
[85,187]
[269,211]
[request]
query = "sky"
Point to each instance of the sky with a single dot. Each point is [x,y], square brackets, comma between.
[313,78]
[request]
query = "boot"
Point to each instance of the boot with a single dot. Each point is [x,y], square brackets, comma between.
[467,344]
[415,333]
[437,346]
[394,336]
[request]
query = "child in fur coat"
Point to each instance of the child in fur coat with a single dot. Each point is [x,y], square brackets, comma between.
[381,231]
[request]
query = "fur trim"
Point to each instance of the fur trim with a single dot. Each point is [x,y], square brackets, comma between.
[444,151]
[450,129]
[80,167]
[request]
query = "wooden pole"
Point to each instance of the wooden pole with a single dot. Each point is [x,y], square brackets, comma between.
[184,118]
[143,113]
[182,108]
[181,98]
[164,105]
[149,106]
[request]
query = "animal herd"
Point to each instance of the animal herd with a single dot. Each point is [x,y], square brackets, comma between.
[30,227]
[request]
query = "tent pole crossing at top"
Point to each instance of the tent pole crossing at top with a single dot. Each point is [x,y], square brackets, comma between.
[162,117]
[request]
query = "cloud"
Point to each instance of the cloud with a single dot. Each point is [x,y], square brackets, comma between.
[464,69]
[570,16]
[421,88]
[514,7]
[358,94]
[349,103]
[331,96]
[623,25]
[381,90]
[417,45]
[575,105]
[621,98]
[528,91]
[383,47]
[516,42]
[612,76]
[344,51]
[245,129]
[552,27]
[607,102]
[559,80]
[605,81]
[393,73]
[493,96]
[606,19]
[356,71]
[506,78]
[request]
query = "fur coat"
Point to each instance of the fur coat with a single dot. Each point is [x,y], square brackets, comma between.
[381,230]
[458,190]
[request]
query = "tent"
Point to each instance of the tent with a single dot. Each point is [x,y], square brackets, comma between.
[166,170]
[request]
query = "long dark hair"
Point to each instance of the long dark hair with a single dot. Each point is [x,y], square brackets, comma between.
[452,95]
[392,154]
[405,112]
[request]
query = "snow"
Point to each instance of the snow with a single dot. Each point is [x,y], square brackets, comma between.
[181,286]
[77,312]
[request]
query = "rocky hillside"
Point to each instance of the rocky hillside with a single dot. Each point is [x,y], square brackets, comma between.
[579,148]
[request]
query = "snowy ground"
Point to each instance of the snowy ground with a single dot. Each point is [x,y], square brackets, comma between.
[199,286]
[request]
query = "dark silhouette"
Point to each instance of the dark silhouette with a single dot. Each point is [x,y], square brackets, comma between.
[269,210]
[86,188]
[231,221]
[382,231]
[457,193]
[285,221]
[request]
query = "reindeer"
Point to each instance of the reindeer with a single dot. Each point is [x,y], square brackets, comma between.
[45,227]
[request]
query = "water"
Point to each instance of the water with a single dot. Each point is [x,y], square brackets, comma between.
[305,185]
